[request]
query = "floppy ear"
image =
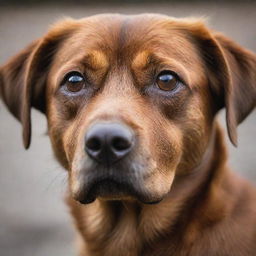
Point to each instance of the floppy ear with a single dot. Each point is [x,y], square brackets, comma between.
[240,94]
[14,89]
[23,78]
[231,74]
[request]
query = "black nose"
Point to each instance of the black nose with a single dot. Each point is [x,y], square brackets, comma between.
[108,142]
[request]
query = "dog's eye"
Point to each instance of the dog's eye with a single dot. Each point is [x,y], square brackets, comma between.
[74,82]
[167,81]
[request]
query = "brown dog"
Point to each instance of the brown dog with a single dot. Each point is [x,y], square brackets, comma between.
[131,104]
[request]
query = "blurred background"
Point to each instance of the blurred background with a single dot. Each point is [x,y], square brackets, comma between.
[34,220]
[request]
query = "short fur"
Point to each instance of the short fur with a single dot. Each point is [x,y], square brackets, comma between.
[180,157]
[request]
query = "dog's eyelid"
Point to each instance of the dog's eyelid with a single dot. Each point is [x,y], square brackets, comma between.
[173,65]
[176,68]
[173,73]
[66,69]
[179,76]
[70,74]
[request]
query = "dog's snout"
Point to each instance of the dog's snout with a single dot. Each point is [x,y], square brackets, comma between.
[108,142]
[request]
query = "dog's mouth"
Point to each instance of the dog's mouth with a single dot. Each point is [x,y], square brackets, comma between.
[112,189]
[106,188]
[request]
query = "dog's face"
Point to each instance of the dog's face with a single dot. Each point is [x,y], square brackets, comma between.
[130,101]
[124,102]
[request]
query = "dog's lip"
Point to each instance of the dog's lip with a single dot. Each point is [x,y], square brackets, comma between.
[114,189]
[106,187]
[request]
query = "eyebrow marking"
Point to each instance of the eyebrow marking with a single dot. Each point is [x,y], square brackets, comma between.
[142,60]
[96,60]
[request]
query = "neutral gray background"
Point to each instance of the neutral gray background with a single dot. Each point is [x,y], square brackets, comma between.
[34,220]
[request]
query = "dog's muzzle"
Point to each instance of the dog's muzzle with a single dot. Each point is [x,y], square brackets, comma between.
[113,171]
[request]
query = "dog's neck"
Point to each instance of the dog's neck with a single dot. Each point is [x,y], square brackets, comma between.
[127,228]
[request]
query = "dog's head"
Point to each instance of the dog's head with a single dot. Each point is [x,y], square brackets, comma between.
[130,100]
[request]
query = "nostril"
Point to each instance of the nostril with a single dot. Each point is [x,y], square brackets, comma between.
[120,143]
[94,144]
[108,142]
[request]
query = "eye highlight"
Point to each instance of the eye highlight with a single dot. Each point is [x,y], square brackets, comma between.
[74,82]
[167,80]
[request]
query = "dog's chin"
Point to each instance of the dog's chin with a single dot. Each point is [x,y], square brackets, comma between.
[111,190]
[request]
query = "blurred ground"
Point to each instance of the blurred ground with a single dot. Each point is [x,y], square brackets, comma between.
[34,221]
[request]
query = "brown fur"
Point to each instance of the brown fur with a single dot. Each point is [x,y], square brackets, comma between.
[180,157]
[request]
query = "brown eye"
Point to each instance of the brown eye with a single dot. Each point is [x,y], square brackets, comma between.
[166,81]
[74,82]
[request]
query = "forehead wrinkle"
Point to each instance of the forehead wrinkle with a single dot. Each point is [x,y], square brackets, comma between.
[122,34]
[126,42]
